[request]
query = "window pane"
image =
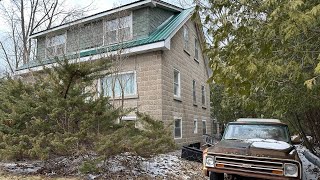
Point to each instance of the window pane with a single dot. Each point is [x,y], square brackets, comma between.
[177,128]
[50,51]
[60,49]
[203,95]
[125,22]
[176,83]
[119,83]
[49,42]
[176,77]
[56,45]
[118,30]
[128,83]
[108,86]
[195,126]
[176,89]
[196,53]
[186,37]
[111,37]
[112,25]
[177,133]
[204,127]
[124,34]
[194,91]
[60,39]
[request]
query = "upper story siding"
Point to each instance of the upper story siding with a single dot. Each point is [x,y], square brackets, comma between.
[146,20]
[91,35]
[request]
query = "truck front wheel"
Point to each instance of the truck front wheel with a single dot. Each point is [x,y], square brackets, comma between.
[216,176]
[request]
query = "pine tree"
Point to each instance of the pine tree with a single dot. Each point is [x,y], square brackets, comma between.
[62,113]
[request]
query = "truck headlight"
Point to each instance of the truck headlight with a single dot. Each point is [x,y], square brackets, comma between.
[210,161]
[290,170]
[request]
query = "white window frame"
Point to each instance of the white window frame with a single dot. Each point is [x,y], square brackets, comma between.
[195,126]
[203,95]
[103,85]
[186,38]
[174,127]
[55,46]
[105,22]
[205,121]
[196,49]
[179,83]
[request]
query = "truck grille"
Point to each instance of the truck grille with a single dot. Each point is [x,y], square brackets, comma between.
[251,164]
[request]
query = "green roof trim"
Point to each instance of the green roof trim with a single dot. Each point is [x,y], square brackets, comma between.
[160,34]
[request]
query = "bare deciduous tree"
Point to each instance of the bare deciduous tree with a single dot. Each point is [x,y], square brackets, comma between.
[25,17]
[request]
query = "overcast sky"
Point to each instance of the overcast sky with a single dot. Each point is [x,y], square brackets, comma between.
[97,6]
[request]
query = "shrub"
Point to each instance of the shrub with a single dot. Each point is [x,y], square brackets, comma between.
[55,115]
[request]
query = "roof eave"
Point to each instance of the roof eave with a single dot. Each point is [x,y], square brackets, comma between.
[161,45]
[138,4]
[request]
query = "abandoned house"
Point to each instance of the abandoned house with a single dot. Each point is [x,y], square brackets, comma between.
[163,68]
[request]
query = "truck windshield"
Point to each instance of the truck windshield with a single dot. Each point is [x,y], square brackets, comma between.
[254,131]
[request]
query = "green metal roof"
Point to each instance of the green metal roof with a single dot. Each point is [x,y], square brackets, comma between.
[160,34]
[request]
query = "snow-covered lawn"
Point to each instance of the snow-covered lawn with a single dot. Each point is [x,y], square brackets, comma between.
[128,166]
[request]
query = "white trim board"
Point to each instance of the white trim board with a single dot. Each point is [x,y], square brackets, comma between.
[131,51]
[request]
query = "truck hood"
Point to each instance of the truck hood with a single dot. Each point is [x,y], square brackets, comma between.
[255,147]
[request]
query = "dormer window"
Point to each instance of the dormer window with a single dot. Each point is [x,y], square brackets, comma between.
[56,45]
[118,30]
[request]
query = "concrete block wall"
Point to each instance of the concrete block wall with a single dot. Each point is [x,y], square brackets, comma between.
[148,77]
[154,76]
[189,70]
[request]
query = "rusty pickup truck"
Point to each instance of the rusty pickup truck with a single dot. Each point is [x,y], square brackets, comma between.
[253,149]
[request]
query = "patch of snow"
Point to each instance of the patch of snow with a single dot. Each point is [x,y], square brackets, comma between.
[268,144]
[22,168]
[310,171]
[162,165]
[90,176]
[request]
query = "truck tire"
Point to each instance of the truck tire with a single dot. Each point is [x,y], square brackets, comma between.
[216,176]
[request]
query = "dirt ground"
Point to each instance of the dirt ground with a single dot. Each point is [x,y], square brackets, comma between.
[123,167]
